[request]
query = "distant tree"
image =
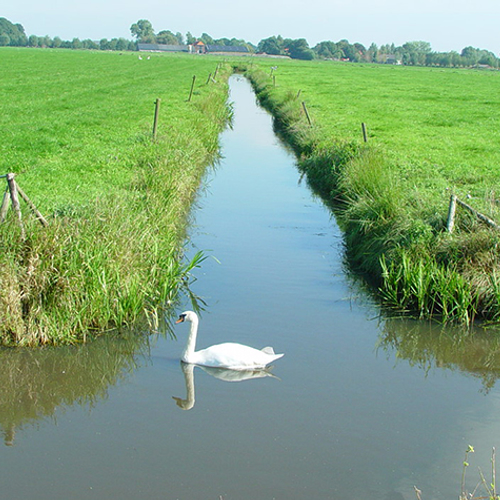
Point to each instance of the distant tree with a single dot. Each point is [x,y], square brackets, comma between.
[76,43]
[56,42]
[298,49]
[104,44]
[166,37]
[45,41]
[272,45]
[122,44]
[372,53]
[90,44]
[207,39]
[348,50]
[15,33]
[190,39]
[143,31]
[180,38]
[4,40]
[33,41]
[326,50]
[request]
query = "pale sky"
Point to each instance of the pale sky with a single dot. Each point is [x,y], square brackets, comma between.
[446,24]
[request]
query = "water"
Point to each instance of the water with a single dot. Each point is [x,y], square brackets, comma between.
[359,407]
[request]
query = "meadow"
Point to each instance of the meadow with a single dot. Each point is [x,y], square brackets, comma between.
[440,126]
[432,132]
[77,132]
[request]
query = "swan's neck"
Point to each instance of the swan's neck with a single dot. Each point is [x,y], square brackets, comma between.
[191,341]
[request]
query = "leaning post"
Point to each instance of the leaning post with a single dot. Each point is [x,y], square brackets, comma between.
[192,88]
[307,113]
[365,133]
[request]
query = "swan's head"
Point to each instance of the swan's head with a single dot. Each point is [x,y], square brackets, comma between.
[187,316]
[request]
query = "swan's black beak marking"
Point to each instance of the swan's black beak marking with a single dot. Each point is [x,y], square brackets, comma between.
[181,319]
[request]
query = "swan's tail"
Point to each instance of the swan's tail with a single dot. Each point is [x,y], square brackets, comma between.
[270,351]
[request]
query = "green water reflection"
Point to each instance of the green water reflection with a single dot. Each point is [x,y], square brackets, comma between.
[429,345]
[34,383]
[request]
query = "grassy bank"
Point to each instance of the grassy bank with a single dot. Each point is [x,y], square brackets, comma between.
[77,131]
[431,133]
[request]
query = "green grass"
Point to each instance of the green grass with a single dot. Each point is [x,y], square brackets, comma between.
[77,129]
[432,132]
[440,126]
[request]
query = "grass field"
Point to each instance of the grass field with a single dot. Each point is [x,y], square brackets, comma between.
[77,132]
[431,132]
[74,122]
[440,126]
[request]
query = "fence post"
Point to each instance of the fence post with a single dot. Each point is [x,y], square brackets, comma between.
[38,215]
[192,88]
[365,134]
[5,205]
[15,202]
[306,112]
[451,213]
[155,122]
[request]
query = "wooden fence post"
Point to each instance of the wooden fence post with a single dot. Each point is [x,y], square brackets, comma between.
[306,112]
[38,215]
[365,134]
[209,78]
[15,202]
[192,88]
[155,121]
[451,213]
[5,205]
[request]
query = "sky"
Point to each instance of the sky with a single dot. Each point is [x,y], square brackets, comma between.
[445,24]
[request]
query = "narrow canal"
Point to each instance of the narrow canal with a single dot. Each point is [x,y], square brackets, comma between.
[359,406]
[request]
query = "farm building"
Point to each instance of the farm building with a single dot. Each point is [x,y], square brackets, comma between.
[197,48]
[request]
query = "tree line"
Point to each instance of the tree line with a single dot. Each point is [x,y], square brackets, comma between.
[416,53]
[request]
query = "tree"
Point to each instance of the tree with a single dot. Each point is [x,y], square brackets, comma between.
[207,39]
[272,45]
[143,31]
[33,41]
[15,33]
[190,39]
[298,49]
[166,37]
[4,40]
[326,50]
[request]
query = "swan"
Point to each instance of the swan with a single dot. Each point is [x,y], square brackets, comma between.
[228,355]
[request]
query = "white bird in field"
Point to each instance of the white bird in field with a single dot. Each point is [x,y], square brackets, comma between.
[228,355]
[140,57]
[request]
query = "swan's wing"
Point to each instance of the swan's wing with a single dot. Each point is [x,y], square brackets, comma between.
[233,356]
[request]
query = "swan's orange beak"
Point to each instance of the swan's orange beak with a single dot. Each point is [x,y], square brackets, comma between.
[180,320]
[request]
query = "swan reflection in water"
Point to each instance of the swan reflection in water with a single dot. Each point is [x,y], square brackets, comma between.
[220,373]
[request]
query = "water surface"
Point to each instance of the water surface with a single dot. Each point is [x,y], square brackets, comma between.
[359,407]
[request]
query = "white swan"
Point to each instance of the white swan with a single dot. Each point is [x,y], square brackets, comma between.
[228,355]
